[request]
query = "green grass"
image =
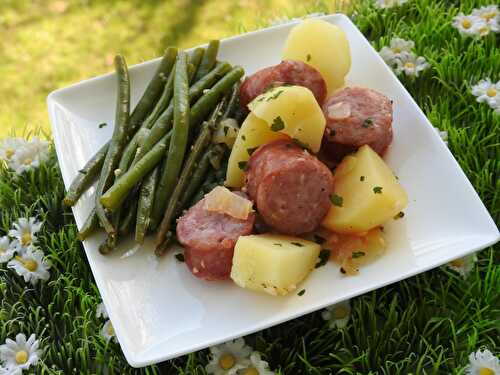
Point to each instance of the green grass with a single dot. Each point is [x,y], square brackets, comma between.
[427,324]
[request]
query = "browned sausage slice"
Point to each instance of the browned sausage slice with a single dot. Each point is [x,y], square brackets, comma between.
[209,238]
[291,187]
[287,72]
[356,116]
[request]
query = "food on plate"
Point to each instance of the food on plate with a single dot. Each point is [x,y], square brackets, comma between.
[366,193]
[291,187]
[356,116]
[209,237]
[287,72]
[274,264]
[323,46]
[282,112]
[244,174]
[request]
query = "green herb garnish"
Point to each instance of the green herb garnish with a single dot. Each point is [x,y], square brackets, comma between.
[377,190]
[324,256]
[102,125]
[225,129]
[300,143]
[243,165]
[243,137]
[301,293]
[399,215]
[277,124]
[318,239]
[251,150]
[358,254]
[362,178]
[277,244]
[308,57]
[297,244]
[368,122]
[336,200]
[179,257]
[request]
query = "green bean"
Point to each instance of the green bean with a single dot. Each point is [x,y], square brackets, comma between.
[115,195]
[195,59]
[234,101]
[169,240]
[85,177]
[208,101]
[209,179]
[209,59]
[162,103]
[164,122]
[145,205]
[117,141]
[131,149]
[127,220]
[180,134]
[199,146]
[153,90]
[109,244]
[90,225]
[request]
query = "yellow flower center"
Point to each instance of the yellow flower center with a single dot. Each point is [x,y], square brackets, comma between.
[340,312]
[251,371]
[484,29]
[488,15]
[27,161]
[30,265]
[486,371]
[227,361]
[491,92]
[457,263]
[409,65]
[21,357]
[466,24]
[110,330]
[9,153]
[26,239]
[396,50]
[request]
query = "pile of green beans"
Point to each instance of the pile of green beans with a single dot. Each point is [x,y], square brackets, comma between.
[160,158]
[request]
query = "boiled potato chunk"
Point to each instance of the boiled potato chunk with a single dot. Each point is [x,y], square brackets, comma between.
[371,194]
[253,133]
[292,110]
[323,46]
[283,112]
[271,263]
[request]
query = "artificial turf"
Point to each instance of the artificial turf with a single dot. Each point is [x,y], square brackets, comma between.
[427,324]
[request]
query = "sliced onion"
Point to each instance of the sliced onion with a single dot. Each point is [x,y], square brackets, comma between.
[339,111]
[224,201]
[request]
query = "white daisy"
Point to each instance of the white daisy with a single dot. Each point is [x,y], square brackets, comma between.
[229,358]
[7,371]
[483,362]
[100,311]
[463,265]
[410,64]
[490,14]
[384,4]
[7,249]
[31,265]
[257,366]
[337,315]
[20,354]
[468,25]
[396,48]
[41,146]
[25,231]
[487,91]
[108,332]
[10,146]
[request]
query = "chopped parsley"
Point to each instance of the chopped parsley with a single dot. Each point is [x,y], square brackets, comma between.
[251,150]
[277,124]
[362,178]
[377,189]
[308,57]
[102,125]
[297,244]
[225,129]
[324,256]
[301,293]
[318,239]
[342,270]
[399,215]
[358,254]
[278,244]
[243,165]
[275,95]
[82,171]
[368,123]
[336,200]
[179,257]
[243,137]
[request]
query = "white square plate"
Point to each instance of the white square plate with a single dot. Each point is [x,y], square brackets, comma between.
[161,312]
